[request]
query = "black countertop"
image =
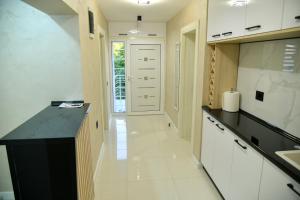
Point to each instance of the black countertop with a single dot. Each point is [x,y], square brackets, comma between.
[270,139]
[52,123]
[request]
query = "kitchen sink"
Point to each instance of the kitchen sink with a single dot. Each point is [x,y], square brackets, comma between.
[292,157]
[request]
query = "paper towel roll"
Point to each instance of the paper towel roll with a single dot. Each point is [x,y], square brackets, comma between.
[231,101]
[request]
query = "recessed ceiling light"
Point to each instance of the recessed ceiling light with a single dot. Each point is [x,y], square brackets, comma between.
[144,2]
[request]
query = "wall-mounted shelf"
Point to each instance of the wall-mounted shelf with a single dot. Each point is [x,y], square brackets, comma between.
[273,35]
[53,7]
[221,72]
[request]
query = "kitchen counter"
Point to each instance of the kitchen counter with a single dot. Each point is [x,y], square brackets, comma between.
[52,123]
[263,137]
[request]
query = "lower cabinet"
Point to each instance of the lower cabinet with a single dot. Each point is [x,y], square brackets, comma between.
[222,159]
[238,170]
[208,142]
[276,185]
[245,172]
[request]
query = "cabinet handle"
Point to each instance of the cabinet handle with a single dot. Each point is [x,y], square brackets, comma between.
[217,35]
[227,33]
[293,189]
[222,129]
[210,120]
[253,27]
[244,147]
[297,17]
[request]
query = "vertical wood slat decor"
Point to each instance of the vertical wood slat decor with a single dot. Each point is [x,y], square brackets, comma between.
[221,73]
[85,183]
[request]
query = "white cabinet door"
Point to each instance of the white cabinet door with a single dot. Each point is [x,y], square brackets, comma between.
[263,16]
[291,14]
[276,185]
[208,142]
[225,19]
[214,25]
[245,172]
[232,18]
[223,159]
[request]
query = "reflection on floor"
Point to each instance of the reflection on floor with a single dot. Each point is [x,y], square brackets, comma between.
[119,106]
[146,160]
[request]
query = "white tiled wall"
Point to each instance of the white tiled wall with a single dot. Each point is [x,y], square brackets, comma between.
[272,67]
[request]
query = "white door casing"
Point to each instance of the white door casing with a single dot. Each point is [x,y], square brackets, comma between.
[145,77]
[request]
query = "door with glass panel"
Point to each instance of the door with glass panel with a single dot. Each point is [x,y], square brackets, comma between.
[118,77]
[145,78]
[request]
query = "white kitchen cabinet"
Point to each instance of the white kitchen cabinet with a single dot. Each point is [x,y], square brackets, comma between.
[263,16]
[208,142]
[226,19]
[245,172]
[223,159]
[291,14]
[276,185]
[214,23]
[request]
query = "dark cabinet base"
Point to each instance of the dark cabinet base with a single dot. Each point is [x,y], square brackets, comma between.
[43,170]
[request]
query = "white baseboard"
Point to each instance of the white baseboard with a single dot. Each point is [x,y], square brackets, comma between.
[7,196]
[99,162]
[171,121]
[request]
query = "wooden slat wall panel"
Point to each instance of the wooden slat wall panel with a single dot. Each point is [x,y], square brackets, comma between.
[85,184]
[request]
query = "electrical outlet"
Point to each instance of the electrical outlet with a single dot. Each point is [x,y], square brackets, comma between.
[259,96]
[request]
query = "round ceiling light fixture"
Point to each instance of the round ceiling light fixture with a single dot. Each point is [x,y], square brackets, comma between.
[144,2]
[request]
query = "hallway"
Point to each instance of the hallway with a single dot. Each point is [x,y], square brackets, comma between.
[144,159]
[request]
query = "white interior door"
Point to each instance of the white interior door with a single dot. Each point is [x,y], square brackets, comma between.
[145,78]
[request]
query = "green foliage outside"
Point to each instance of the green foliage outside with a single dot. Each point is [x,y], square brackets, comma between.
[119,69]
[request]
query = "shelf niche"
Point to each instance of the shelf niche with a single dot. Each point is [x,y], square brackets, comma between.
[221,72]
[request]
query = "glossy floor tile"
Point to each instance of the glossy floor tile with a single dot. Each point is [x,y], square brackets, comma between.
[144,159]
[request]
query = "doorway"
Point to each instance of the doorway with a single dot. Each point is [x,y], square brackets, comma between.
[118,76]
[104,81]
[188,71]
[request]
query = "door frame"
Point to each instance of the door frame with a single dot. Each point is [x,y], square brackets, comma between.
[116,39]
[192,27]
[146,41]
[103,46]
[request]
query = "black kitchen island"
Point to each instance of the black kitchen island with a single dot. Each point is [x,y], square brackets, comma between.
[42,154]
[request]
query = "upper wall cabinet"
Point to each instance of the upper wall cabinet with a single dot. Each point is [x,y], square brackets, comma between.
[226,19]
[291,14]
[263,16]
[236,20]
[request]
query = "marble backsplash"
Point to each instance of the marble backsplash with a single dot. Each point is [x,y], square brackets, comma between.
[272,67]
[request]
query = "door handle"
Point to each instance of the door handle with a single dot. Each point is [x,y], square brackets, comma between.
[227,33]
[253,27]
[210,120]
[244,147]
[293,189]
[217,35]
[297,17]
[218,125]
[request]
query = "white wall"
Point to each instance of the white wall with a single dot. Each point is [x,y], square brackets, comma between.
[272,67]
[39,62]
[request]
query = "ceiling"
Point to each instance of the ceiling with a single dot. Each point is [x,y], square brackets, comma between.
[127,10]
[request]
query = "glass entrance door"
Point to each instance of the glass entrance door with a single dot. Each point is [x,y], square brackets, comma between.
[119,77]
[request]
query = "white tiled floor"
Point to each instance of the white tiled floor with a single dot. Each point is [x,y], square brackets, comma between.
[146,160]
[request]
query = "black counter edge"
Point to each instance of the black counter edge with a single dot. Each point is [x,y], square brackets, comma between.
[267,156]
